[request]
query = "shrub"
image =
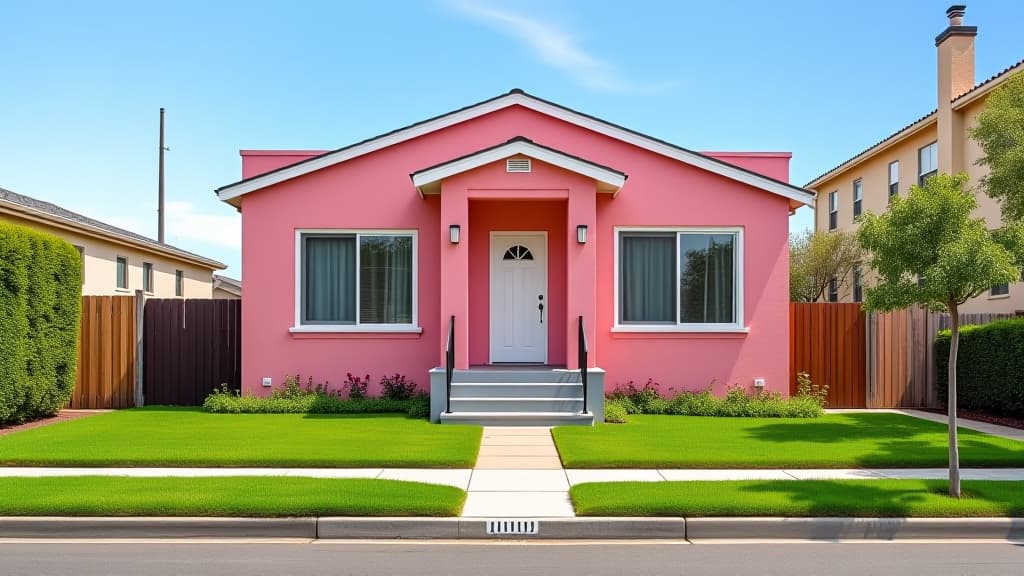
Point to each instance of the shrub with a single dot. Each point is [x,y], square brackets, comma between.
[807,389]
[40,301]
[314,399]
[615,412]
[397,387]
[737,402]
[990,365]
[356,386]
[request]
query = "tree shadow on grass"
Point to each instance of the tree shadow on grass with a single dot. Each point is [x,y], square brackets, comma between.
[899,441]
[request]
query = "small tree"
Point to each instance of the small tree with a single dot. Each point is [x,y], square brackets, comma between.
[931,235]
[817,257]
[1000,133]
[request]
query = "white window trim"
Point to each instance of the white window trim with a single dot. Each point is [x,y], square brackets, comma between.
[920,165]
[413,327]
[896,164]
[679,327]
[127,274]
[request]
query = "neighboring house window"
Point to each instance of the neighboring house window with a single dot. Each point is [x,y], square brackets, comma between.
[357,278]
[682,278]
[81,260]
[894,179]
[122,273]
[858,196]
[179,283]
[833,210]
[927,162]
[920,281]
[1000,290]
[858,289]
[833,290]
[147,277]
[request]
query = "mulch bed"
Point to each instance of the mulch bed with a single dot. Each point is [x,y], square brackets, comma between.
[1008,421]
[62,416]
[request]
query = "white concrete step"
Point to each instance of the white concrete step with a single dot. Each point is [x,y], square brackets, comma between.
[516,390]
[518,418]
[513,376]
[516,404]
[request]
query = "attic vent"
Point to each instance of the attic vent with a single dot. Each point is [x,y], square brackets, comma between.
[517,165]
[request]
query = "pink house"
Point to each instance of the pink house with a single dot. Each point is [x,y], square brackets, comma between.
[496,249]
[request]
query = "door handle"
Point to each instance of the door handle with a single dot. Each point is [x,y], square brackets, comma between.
[541,307]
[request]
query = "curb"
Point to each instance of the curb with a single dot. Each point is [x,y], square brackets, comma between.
[546,528]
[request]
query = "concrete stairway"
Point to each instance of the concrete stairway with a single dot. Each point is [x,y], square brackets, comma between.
[517,397]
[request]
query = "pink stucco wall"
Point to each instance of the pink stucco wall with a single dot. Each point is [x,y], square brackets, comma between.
[256,162]
[374,191]
[771,164]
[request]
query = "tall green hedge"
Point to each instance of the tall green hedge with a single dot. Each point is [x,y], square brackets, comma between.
[40,299]
[990,367]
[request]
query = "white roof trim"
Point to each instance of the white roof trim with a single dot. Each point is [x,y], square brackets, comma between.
[613,180]
[514,98]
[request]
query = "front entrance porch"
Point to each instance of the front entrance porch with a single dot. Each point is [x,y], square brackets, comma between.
[516,396]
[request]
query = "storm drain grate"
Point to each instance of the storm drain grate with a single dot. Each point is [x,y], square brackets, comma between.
[503,527]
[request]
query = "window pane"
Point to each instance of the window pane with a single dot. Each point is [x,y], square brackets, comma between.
[385,280]
[706,278]
[329,291]
[122,273]
[147,277]
[894,173]
[832,197]
[179,281]
[647,278]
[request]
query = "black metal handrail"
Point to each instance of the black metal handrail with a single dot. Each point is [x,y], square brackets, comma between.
[449,364]
[583,351]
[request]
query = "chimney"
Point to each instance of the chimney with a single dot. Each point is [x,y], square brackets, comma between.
[956,76]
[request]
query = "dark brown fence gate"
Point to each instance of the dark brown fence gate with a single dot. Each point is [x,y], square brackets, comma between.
[191,347]
[827,342]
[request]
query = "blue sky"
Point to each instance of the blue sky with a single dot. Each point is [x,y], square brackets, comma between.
[82,83]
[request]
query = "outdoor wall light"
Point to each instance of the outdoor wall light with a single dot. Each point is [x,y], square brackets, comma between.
[581,233]
[453,231]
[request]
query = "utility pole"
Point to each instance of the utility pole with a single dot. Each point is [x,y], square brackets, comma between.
[160,207]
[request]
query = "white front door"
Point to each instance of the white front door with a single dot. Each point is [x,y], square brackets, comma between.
[519,297]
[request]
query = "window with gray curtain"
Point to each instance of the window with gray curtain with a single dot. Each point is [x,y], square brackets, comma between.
[677,278]
[332,268]
[706,277]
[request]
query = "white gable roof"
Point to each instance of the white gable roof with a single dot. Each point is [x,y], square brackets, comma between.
[427,181]
[517,97]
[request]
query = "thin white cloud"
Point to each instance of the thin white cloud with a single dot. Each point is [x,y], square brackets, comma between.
[554,46]
[184,221]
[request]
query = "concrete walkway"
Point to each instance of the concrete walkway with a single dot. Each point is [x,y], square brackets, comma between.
[518,474]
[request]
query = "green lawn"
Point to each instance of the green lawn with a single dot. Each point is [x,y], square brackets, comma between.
[870,498]
[160,436]
[831,441]
[224,496]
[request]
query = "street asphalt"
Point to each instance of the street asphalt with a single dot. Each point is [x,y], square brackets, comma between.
[159,558]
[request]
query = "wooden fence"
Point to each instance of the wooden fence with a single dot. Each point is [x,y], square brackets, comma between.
[869,360]
[901,355]
[827,342]
[106,353]
[191,347]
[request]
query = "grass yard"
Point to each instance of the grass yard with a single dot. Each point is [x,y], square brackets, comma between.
[224,496]
[161,436]
[868,498]
[831,441]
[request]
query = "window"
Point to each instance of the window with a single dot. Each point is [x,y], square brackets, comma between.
[81,260]
[858,196]
[122,273]
[833,210]
[927,162]
[894,178]
[1000,290]
[858,289]
[684,278]
[147,277]
[833,290]
[179,283]
[357,278]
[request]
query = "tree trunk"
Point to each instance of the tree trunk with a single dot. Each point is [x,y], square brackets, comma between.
[954,453]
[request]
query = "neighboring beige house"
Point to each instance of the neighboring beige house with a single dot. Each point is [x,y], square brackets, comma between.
[937,142]
[116,261]
[225,288]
